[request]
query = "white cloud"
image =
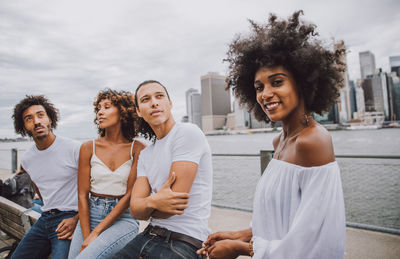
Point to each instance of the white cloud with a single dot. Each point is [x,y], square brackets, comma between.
[69,50]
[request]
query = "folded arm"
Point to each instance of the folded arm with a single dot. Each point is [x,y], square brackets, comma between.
[170,200]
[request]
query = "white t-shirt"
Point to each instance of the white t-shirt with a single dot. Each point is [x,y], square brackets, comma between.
[55,172]
[185,142]
[299,212]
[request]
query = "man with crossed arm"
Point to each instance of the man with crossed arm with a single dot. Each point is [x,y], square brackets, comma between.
[174,182]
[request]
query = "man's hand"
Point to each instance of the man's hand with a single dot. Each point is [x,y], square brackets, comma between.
[229,235]
[223,249]
[214,242]
[165,200]
[221,236]
[66,228]
[89,239]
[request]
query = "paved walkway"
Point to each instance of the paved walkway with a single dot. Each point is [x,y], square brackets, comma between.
[359,243]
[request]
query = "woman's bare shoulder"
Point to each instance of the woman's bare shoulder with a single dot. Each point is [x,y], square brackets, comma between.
[87,145]
[314,147]
[86,149]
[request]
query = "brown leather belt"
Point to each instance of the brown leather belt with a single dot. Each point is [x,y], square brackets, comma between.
[163,232]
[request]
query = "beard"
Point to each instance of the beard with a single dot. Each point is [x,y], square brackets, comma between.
[30,133]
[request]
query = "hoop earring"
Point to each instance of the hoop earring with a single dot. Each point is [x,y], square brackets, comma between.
[306,117]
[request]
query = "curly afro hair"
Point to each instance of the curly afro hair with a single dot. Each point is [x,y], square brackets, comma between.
[291,44]
[124,101]
[27,102]
[144,128]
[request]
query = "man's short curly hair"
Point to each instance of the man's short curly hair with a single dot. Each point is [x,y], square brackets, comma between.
[27,102]
[124,101]
[292,45]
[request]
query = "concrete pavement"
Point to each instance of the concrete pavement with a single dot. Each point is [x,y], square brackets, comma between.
[359,243]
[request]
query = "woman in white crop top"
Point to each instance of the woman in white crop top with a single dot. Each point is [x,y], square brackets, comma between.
[106,174]
[282,73]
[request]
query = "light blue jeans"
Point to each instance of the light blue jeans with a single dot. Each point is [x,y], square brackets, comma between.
[111,240]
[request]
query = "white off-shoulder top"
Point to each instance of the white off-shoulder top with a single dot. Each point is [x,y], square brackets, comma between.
[299,212]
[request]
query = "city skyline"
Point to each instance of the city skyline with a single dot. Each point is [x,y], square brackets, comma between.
[69,50]
[373,99]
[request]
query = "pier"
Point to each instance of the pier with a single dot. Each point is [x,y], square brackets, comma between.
[359,243]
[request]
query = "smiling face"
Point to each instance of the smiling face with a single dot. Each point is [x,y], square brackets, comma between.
[36,122]
[276,93]
[107,114]
[154,106]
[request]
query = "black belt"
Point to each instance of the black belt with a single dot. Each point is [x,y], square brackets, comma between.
[55,211]
[52,211]
[163,232]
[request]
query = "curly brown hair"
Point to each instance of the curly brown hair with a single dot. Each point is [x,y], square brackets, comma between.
[291,44]
[124,101]
[27,102]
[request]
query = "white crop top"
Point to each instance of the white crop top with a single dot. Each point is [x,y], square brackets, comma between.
[107,182]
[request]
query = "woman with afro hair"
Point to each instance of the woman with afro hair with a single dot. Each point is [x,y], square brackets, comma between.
[106,174]
[282,73]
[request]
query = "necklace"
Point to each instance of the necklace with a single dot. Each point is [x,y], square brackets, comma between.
[279,151]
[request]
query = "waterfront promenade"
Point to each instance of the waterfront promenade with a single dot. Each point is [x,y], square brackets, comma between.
[359,243]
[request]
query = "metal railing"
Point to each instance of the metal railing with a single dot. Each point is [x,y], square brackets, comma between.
[14,158]
[266,156]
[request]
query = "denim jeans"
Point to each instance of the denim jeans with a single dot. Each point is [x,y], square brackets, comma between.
[37,206]
[148,246]
[111,240]
[41,240]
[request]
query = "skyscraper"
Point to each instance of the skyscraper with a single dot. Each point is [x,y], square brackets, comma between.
[353,98]
[394,62]
[396,96]
[367,64]
[193,106]
[394,89]
[344,107]
[385,86]
[240,116]
[215,101]
[360,99]
[188,106]
[368,95]
[195,116]
[376,94]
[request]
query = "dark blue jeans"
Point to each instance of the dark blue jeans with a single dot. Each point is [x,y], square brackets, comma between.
[41,240]
[148,246]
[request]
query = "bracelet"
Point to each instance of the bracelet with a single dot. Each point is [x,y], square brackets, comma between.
[251,248]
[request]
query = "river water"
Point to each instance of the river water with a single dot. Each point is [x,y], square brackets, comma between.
[371,186]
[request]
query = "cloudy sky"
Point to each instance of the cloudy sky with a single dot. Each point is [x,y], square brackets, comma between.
[69,50]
